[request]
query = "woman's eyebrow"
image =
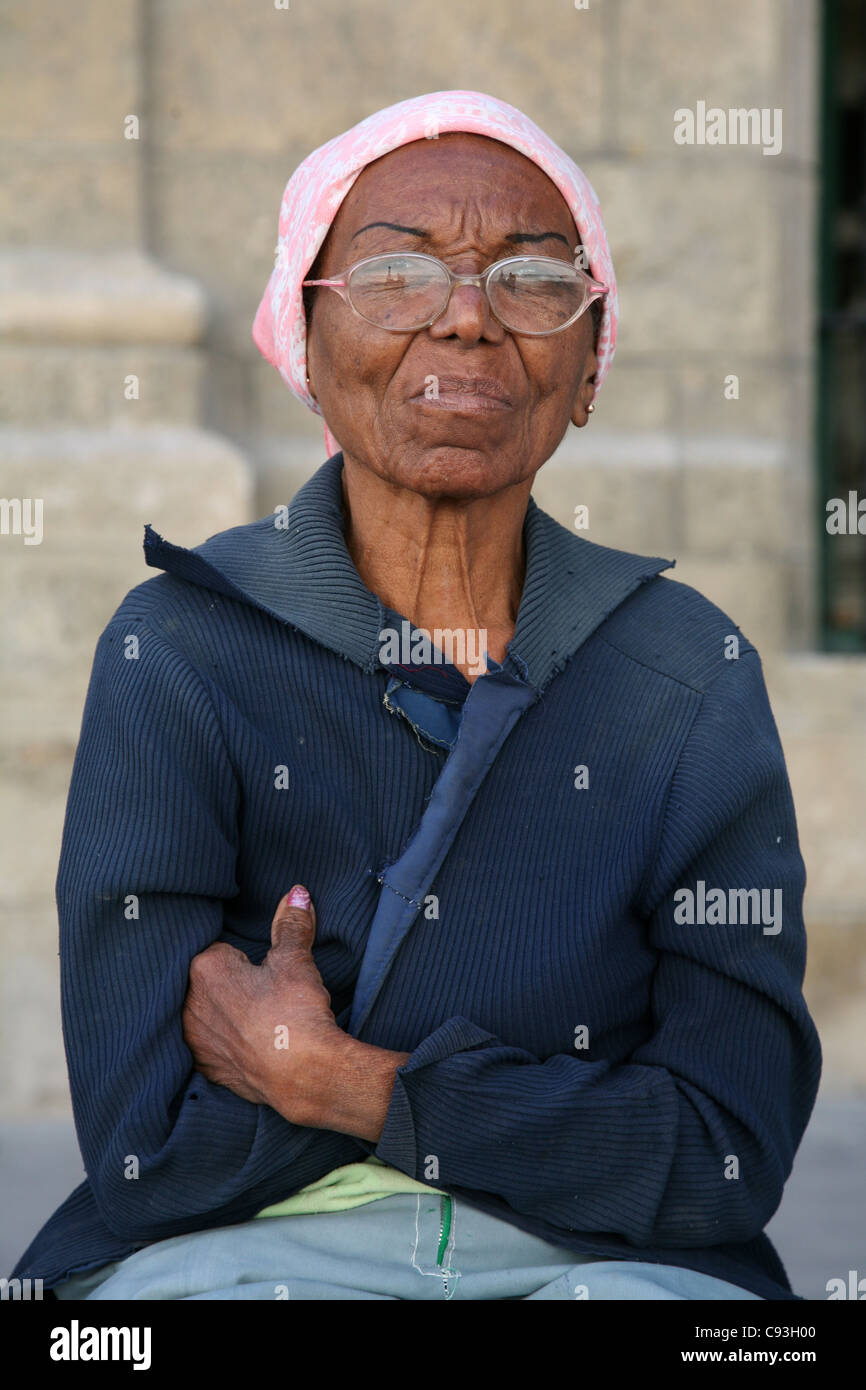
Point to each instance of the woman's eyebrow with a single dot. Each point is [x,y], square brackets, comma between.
[537,236]
[395,227]
[517,238]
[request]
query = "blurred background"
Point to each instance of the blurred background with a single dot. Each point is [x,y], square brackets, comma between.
[144,147]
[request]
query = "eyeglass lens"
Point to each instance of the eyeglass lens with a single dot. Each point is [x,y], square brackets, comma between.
[532,296]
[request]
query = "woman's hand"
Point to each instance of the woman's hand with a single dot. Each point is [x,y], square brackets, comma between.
[250,1026]
[267,1032]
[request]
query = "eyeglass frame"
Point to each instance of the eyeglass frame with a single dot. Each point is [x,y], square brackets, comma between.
[595,289]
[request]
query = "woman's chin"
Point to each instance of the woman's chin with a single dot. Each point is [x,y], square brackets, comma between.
[458,471]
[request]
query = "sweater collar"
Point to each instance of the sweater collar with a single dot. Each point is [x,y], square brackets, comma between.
[295,566]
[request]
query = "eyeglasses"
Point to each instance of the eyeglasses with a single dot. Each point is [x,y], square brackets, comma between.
[404,291]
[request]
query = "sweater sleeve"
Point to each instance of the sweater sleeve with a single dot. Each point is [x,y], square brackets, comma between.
[148,855]
[689,1141]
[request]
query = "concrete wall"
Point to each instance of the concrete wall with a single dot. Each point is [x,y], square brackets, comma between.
[148,257]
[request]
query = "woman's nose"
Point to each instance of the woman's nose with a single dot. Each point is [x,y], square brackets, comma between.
[468,316]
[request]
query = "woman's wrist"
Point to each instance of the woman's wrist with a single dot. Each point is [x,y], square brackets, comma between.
[348,1087]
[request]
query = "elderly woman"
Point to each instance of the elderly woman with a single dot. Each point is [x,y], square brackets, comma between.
[530,1022]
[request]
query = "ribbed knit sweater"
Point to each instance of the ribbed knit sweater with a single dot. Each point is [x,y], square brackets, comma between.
[586,1062]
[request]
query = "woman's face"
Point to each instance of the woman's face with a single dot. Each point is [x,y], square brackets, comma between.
[470,201]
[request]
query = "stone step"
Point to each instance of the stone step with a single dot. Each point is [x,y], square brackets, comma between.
[53,296]
[97,489]
[98,339]
[126,385]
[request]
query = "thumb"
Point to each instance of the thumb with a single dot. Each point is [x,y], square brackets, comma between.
[294,921]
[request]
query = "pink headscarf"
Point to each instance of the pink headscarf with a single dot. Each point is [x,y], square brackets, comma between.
[318,186]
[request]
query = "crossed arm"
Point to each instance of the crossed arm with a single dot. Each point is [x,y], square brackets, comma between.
[267,1032]
[170,1033]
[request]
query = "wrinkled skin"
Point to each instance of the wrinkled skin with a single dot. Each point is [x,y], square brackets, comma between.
[470,194]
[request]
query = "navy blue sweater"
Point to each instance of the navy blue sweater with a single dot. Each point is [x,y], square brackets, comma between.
[586,1062]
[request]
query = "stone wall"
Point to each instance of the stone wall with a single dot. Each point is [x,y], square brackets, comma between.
[146,257]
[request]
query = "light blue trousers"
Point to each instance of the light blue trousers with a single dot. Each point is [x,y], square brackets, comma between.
[406,1246]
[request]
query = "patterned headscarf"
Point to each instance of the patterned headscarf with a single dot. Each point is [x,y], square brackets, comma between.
[318,186]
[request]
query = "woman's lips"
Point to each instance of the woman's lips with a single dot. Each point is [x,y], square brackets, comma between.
[464,395]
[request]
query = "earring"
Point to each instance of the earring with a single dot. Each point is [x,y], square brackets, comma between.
[589,409]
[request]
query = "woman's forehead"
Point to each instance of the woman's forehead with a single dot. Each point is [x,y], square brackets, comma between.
[426,180]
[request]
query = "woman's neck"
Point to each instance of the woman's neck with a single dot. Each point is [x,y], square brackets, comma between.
[452,565]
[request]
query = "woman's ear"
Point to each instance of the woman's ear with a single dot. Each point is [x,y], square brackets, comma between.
[586,391]
[310,355]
